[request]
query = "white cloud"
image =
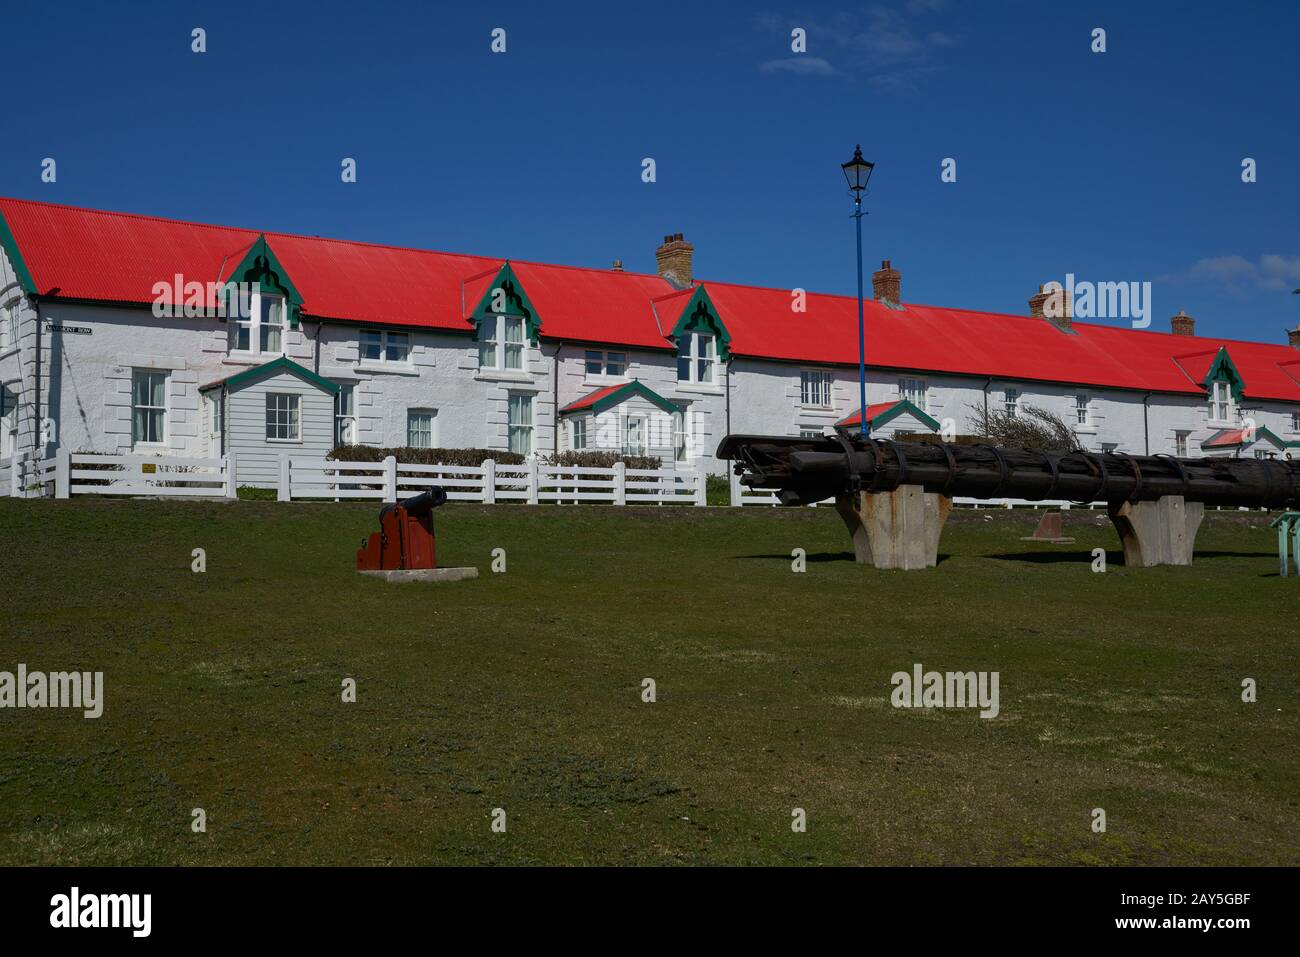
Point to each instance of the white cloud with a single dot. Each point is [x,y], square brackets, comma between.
[1271,271]
[805,65]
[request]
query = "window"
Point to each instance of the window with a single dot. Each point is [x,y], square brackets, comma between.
[9,326]
[271,322]
[809,432]
[1012,402]
[815,389]
[215,411]
[634,435]
[148,407]
[282,417]
[579,434]
[383,346]
[1180,444]
[520,416]
[610,365]
[501,343]
[1081,410]
[697,354]
[1295,421]
[913,391]
[419,428]
[1220,402]
[257,323]
[8,419]
[679,437]
[1265,454]
[345,415]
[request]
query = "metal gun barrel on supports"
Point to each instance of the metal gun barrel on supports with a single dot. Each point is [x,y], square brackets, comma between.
[1155,501]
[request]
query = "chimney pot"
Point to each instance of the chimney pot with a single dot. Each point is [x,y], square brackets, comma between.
[1293,337]
[887,284]
[1182,324]
[674,260]
[618,265]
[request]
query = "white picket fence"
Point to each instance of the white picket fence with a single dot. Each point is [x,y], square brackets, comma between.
[75,473]
[531,483]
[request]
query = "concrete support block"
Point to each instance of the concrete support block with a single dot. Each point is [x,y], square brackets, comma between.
[898,529]
[1162,532]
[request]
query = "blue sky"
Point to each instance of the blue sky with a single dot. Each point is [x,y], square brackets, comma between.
[1122,166]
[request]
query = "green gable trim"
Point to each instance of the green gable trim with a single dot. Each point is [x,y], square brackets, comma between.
[701,315]
[901,407]
[281,364]
[1222,369]
[622,394]
[513,300]
[10,245]
[261,266]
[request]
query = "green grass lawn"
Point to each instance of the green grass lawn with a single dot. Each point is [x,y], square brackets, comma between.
[523,691]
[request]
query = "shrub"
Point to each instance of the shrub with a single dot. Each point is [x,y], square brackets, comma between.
[407,455]
[1034,428]
[717,490]
[602,460]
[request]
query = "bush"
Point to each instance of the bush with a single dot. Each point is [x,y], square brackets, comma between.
[249,493]
[602,460]
[717,489]
[407,455]
[1033,428]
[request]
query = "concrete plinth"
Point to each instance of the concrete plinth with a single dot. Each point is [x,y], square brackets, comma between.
[1162,532]
[898,529]
[423,574]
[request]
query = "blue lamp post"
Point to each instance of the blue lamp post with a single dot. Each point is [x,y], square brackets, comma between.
[857,171]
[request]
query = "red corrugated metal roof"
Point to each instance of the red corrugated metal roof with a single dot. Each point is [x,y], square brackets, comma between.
[1225,439]
[873,412]
[587,401]
[90,254]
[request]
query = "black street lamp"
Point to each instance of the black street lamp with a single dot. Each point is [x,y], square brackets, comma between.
[858,171]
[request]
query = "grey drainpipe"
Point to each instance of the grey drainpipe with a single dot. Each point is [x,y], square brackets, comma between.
[987,385]
[36,417]
[730,362]
[1146,433]
[555,399]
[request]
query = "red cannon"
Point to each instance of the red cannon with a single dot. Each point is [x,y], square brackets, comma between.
[405,536]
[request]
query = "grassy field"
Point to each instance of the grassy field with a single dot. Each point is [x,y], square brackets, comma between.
[523,691]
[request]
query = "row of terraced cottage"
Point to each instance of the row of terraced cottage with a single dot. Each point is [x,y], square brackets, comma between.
[117,334]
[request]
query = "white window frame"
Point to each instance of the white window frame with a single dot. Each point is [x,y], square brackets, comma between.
[292,421]
[1295,421]
[8,326]
[1180,442]
[1221,400]
[915,391]
[700,351]
[388,341]
[1082,411]
[642,433]
[254,325]
[517,426]
[816,388]
[345,419]
[1011,402]
[578,433]
[432,416]
[603,360]
[497,344]
[164,408]
[8,419]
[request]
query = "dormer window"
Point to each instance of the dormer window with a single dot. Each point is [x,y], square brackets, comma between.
[259,328]
[1221,404]
[697,354]
[501,343]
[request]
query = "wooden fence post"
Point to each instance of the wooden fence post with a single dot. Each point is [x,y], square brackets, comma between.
[62,473]
[489,481]
[532,480]
[16,473]
[285,491]
[701,488]
[390,479]
[228,463]
[736,491]
[620,483]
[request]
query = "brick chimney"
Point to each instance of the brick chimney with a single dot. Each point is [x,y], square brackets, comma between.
[1039,304]
[1293,337]
[887,284]
[1182,324]
[674,259]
